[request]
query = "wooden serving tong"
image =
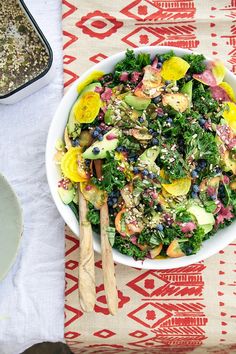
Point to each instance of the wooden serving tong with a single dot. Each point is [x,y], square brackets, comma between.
[87,289]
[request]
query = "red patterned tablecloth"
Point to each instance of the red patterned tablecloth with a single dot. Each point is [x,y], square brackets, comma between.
[185,310]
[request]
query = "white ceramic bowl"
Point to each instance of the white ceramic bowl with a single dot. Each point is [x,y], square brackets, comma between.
[209,247]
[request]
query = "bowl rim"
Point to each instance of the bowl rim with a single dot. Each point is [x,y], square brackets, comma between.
[168,263]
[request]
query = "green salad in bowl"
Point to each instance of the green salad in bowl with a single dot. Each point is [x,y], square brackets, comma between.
[155,139]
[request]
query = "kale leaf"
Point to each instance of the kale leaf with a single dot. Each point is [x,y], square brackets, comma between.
[201,144]
[203,102]
[131,63]
[113,178]
[196,62]
[93,215]
[124,246]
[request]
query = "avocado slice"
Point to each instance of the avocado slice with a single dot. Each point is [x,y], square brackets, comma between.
[109,143]
[109,116]
[66,195]
[90,87]
[187,89]
[73,127]
[205,220]
[139,103]
[150,155]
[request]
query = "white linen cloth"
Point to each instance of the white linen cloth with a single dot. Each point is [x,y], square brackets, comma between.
[32,294]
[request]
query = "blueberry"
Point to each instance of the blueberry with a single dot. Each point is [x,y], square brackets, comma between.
[145,172]
[202,164]
[114,200]
[159,227]
[213,197]
[155,141]
[194,174]
[198,168]
[75,142]
[154,134]
[157,99]
[159,65]
[119,149]
[96,150]
[167,82]
[169,120]
[161,59]
[110,202]
[98,129]
[95,134]
[87,162]
[151,131]
[202,121]
[195,188]
[218,170]
[151,175]
[135,170]
[194,195]
[100,137]
[141,120]
[188,251]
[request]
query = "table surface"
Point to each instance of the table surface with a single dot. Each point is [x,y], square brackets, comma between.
[32,294]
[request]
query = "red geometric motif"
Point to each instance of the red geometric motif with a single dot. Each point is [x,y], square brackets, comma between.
[71,265]
[99,24]
[72,39]
[97,58]
[71,10]
[71,335]
[74,285]
[179,282]
[72,75]
[175,35]
[75,244]
[101,303]
[105,333]
[138,334]
[144,10]
[68,59]
[71,310]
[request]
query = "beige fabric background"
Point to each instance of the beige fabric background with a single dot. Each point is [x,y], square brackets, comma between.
[206,322]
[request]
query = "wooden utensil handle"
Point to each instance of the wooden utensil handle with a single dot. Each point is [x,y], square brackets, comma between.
[87,291]
[108,263]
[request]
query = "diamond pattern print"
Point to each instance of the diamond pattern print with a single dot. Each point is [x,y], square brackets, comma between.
[185,310]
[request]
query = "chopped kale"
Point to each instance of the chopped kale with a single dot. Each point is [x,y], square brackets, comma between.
[131,63]
[166,56]
[203,101]
[201,144]
[125,246]
[93,215]
[113,177]
[197,63]
[193,243]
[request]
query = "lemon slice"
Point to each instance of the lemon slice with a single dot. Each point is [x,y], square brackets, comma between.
[174,68]
[178,187]
[229,115]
